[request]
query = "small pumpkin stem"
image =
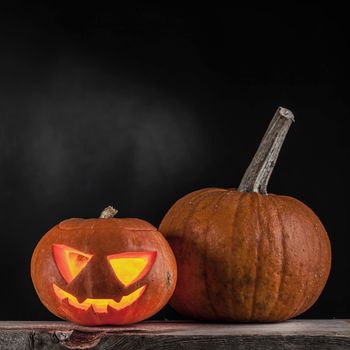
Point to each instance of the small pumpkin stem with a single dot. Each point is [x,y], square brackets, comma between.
[108,212]
[260,169]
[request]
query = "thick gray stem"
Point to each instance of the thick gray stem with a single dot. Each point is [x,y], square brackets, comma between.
[108,212]
[260,169]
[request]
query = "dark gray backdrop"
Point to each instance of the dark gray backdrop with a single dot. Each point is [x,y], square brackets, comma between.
[137,106]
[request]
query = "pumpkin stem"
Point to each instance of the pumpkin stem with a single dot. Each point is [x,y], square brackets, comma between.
[108,212]
[260,169]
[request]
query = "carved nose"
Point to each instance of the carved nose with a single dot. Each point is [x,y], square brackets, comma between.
[97,280]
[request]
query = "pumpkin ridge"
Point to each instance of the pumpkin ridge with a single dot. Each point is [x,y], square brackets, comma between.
[315,297]
[186,227]
[205,274]
[305,300]
[319,291]
[257,256]
[239,200]
[301,304]
[305,303]
[283,263]
[160,303]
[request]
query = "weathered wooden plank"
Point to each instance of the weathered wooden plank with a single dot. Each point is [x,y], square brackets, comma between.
[293,334]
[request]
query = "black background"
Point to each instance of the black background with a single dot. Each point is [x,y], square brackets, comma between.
[137,106]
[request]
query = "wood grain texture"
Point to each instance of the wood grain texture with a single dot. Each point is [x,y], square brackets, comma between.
[296,334]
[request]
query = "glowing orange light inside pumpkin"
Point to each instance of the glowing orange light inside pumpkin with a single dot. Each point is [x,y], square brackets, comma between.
[130,267]
[69,261]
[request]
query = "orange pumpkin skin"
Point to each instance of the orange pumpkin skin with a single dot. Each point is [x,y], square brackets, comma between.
[100,239]
[244,256]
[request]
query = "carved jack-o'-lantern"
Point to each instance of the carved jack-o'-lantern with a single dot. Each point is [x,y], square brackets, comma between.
[103,271]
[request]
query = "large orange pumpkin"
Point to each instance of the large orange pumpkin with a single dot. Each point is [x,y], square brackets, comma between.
[243,254]
[103,271]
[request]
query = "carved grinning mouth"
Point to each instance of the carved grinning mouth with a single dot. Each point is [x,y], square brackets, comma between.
[99,305]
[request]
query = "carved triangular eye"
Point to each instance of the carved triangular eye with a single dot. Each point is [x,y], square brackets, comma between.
[70,262]
[130,267]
